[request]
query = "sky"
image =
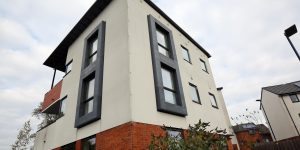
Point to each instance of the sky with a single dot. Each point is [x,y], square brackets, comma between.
[245,39]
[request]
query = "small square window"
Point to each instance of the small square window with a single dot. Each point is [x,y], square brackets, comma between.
[89,143]
[194,93]
[294,98]
[185,54]
[175,133]
[69,67]
[213,100]
[203,65]
[168,84]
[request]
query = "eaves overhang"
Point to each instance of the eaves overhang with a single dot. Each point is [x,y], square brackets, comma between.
[58,57]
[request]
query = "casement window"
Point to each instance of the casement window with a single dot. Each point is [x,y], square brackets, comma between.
[68,146]
[213,100]
[185,54]
[203,65]
[294,98]
[168,87]
[62,109]
[91,78]
[69,67]
[175,133]
[194,93]
[88,143]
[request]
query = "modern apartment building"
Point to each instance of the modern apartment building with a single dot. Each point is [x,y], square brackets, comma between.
[281,108]
[130,69]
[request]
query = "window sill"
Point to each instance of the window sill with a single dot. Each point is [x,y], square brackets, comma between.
[205,71]
[196,102]
[67,74]
[188,61]
[216,107]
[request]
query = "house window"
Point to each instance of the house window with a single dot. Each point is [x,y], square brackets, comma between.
[203,65]
[92,48]
[294,98]
[89,143]
[213,100]
[168,86]
[175,133]
[62,109]
[89,100]
[162,40]
[70,146]
[185,54]
[69,67]
[194,93]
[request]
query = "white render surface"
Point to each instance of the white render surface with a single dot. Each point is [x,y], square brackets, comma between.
[277,114]
[128,86]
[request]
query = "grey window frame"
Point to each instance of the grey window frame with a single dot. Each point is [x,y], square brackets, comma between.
[202,61]
[60,105]
[158,61]
[297,98]
[88,70]
[194,86]
[188,52]
[215,101]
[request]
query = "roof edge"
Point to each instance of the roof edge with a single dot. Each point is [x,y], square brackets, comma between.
[163,14]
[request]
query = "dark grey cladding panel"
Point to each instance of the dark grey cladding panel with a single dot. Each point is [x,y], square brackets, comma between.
[284,89]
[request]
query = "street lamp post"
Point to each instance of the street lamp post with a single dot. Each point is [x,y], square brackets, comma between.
[289,32]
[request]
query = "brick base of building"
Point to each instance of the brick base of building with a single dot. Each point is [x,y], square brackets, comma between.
[130,136]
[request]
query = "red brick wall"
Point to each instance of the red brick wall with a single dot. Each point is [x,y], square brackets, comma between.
[129,136]
[52,96]
[246,137]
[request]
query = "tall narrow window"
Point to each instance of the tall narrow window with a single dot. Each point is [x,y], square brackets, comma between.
[168,86]
[91,78]
[162,40]
[89,143]
[203,65]
[194,93]
[88,100]
[185,54]
[92,48]
[213,100]
[294,98]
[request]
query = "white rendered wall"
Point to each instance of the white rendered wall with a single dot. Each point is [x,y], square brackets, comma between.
[277,115]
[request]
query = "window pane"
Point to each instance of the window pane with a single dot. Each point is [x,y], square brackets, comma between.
[170,97]
[163,51]
[89,144]
[162,38]
[203,65]
[90,88]
[185,54]
[92,58]
[194,93]
[94,46]
[167,78]
[175,134]
[294,98]
[88,106]
[63,106]
[213,100]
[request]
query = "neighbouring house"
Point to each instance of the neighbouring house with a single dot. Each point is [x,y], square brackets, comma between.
[249,134]
[281,108]
[129,70]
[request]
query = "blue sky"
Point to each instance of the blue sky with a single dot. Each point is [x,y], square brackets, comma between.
[245,39]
